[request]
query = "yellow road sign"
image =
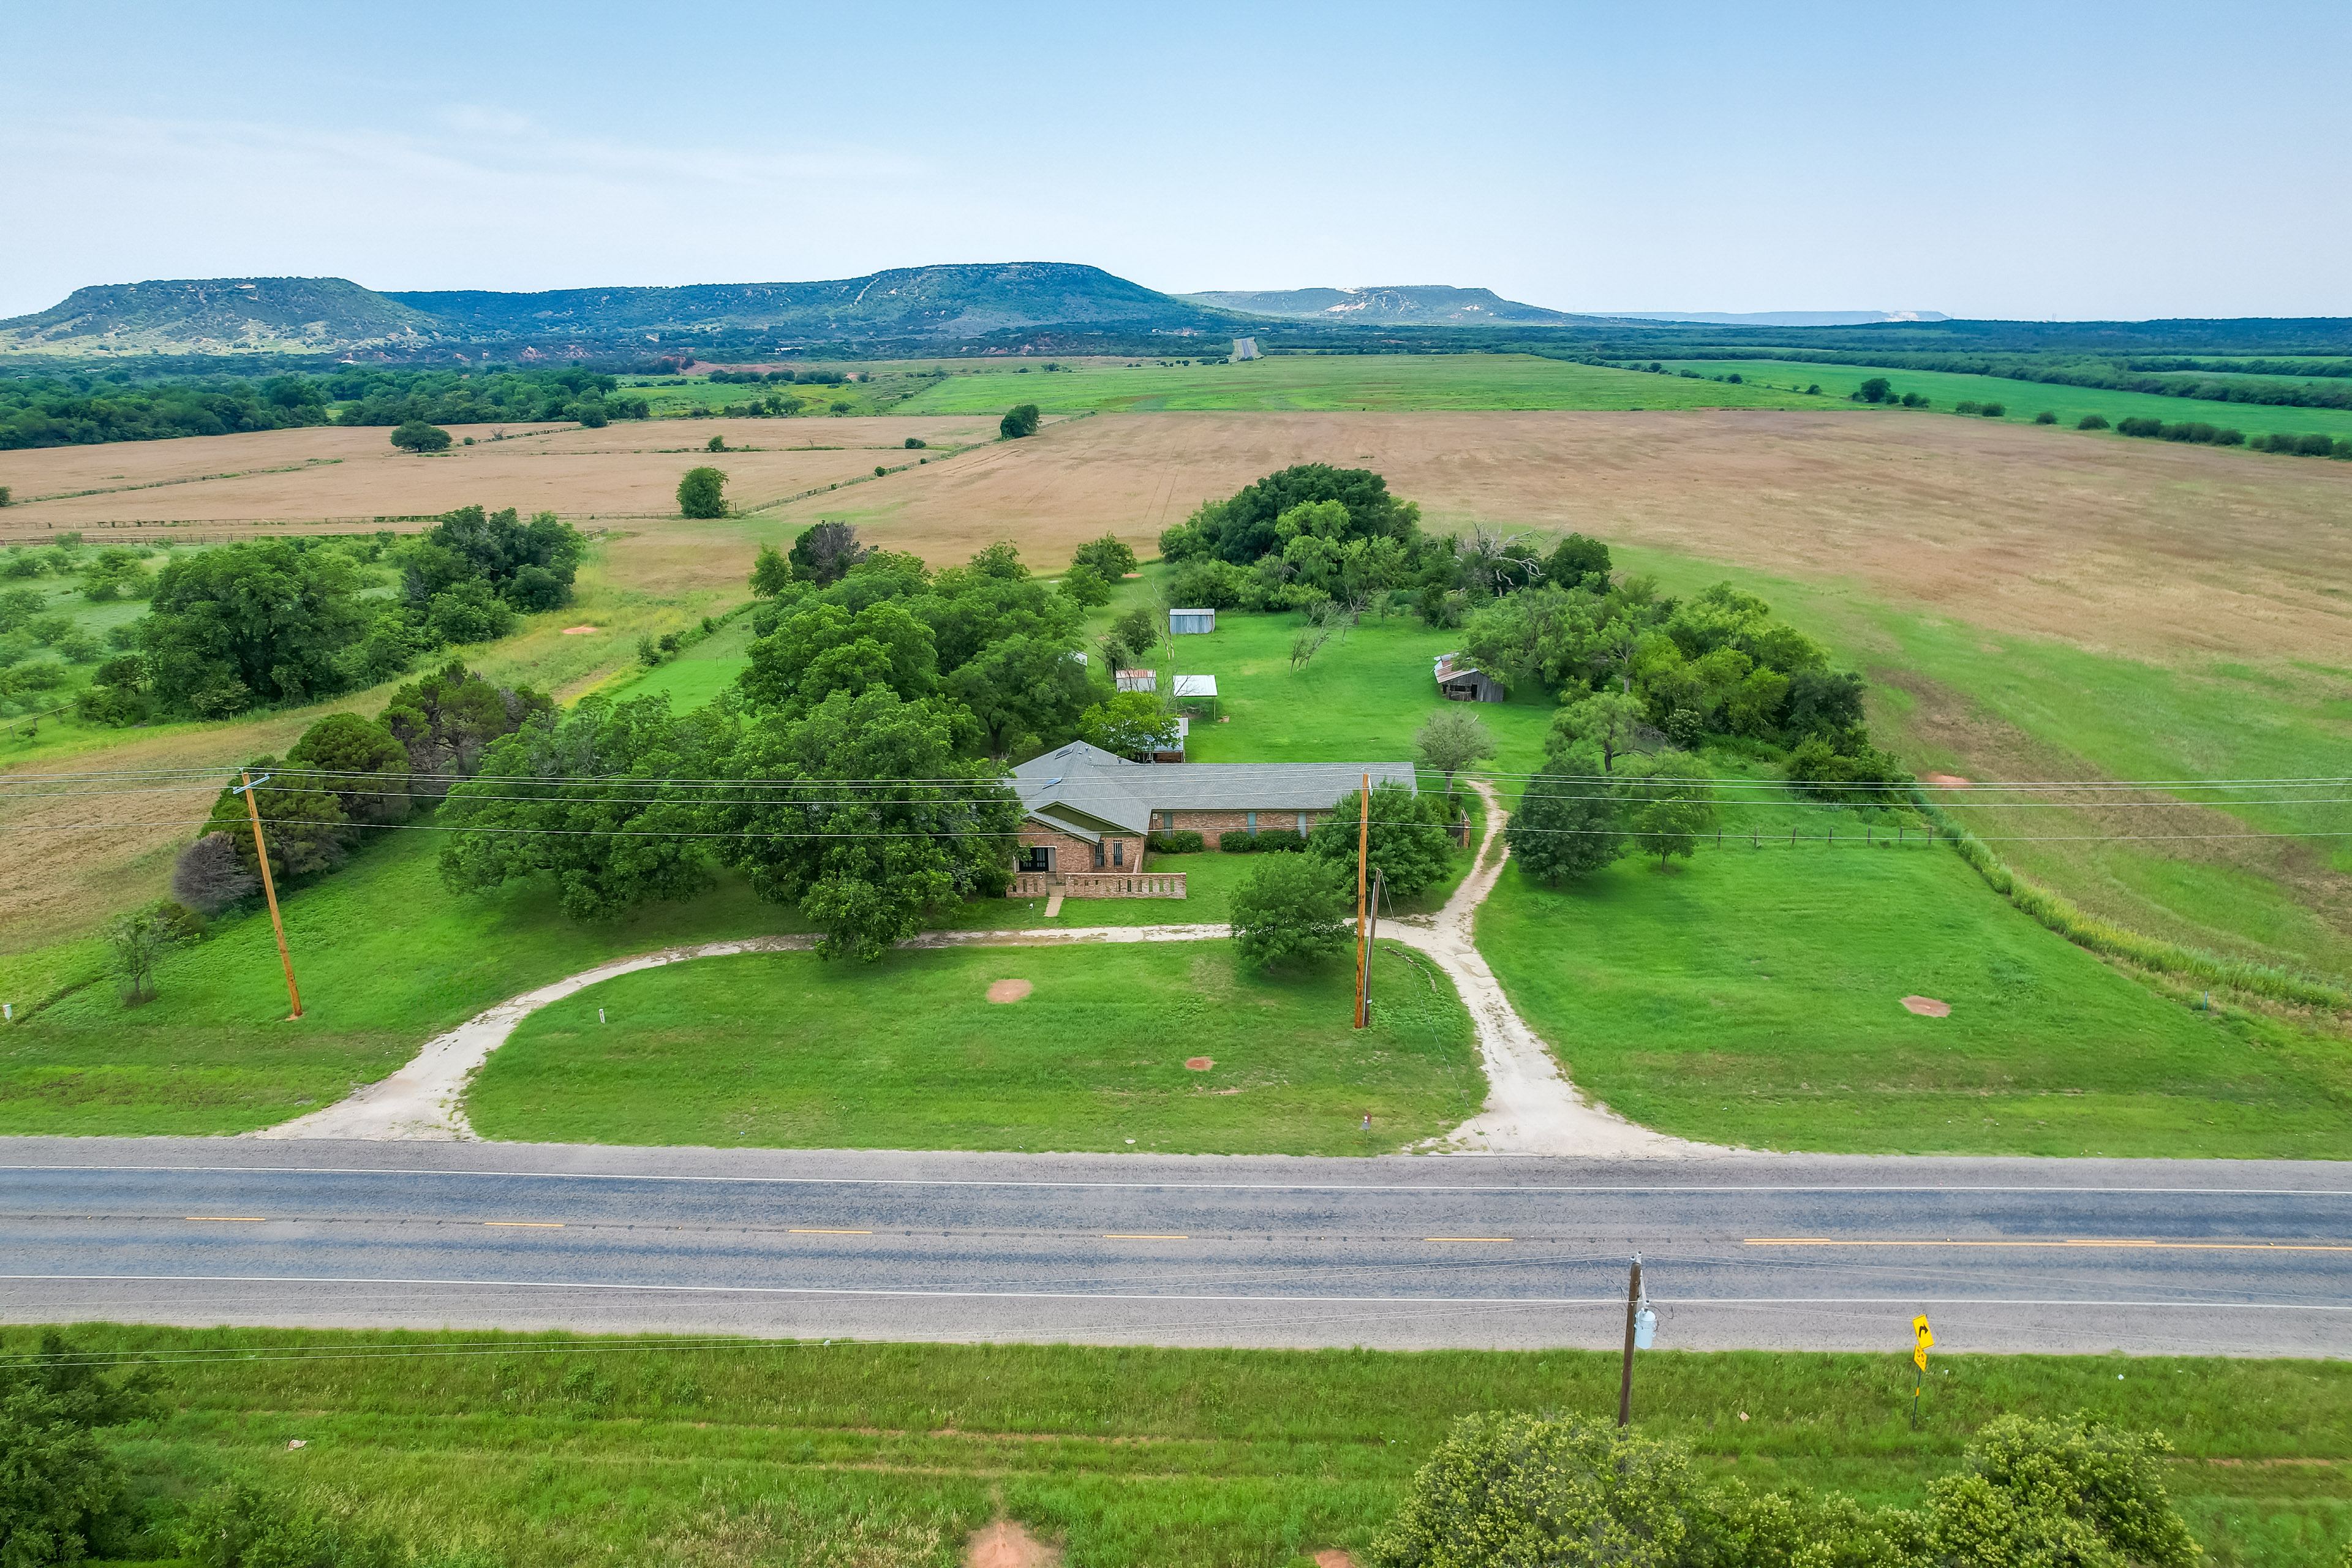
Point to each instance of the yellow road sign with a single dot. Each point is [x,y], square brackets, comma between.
[1927,1338]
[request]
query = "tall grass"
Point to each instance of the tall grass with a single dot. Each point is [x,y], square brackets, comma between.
[2060,914]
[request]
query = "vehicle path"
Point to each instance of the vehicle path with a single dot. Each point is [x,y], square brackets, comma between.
[1530,1108]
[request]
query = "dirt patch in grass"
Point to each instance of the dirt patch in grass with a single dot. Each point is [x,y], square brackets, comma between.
[1007,1543]
[1009,990]
[1927,1006]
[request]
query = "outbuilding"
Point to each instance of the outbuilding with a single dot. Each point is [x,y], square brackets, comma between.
[1182,623]
[1461,680]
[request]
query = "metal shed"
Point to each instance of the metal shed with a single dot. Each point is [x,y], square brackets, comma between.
[1181,622]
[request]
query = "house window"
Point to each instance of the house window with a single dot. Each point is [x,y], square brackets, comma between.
[1099,855]
[1119,852]
[1037,858]
[1253,824]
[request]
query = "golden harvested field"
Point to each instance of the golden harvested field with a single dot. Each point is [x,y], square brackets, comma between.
[2143,548]
[298,475]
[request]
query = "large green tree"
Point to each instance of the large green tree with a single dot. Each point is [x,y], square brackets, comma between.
[1613,723]
[1291,907]
[1569,823]
[823,648]
[531,565]
[264,622]
[359,763]
[1452,738]
[1409,847]
[60,1482]
[1241,528]
[1669,804]
[446,720]
[865,814]
[593,800]
[301,822]
[1024,692]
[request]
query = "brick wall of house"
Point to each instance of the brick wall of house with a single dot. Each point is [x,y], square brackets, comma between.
[1074,854]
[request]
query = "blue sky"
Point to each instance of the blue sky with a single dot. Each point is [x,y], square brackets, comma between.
[2086,161]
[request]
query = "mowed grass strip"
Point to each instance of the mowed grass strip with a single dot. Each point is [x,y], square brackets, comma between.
[1753,995]
[794,1051]
[1337,383]
[556,1450]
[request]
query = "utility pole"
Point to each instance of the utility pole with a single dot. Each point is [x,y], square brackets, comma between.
[1364,976]
[1363,853]
[270,889]
[1625,1379]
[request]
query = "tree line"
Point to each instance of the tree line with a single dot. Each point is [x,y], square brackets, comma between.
[274,621]
[855,770]
[86,410]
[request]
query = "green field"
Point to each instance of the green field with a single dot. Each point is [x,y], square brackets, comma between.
[2024,399]
[1388,383]
[2121,719]
[1752,996]
[787,1050]
[557,1451]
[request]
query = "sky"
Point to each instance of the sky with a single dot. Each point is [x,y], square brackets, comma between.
[2099,160]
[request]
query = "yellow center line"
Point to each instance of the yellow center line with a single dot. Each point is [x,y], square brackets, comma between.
[226,1219]
[525,1224]
[2081,1241]
[832,1233]
[1138,1235]
[1465,1238]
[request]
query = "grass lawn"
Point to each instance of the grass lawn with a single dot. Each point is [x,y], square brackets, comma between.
[386,958]
[787,1050]
[1752,996]
[1388,383]
[2022,399]
[554,1450]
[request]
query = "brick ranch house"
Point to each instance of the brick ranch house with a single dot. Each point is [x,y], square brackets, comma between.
[1087,812]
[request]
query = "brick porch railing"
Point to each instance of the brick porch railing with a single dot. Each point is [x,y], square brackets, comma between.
[1030,885]
[1123,885]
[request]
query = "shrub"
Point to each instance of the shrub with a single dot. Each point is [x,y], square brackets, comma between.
[1292,907]
[2092,422]
[1237,841]
[2045,417]
[2314,446]
[1968,407]
[208,877]
[1994,410]
[2049,1491]
[702,493]
[1514,1488]
[1018,422]
[916,444]
[1912,400]
[2140,427]
[1569,823]
[1182,841]
[1270,840]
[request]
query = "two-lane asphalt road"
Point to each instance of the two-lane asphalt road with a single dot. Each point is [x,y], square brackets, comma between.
[2144,1257]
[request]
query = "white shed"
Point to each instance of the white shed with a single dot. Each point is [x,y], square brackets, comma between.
[1181,622]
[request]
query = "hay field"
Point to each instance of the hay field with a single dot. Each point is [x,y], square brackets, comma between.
[2147,549]
[296,475]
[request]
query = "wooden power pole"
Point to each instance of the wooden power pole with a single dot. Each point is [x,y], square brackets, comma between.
[1625,1378]
[1364,855]
[270,889]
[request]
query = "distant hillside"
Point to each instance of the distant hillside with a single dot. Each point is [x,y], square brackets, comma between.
[221,316]
[332,315]
[1415,305]
[1780,317]
[950,301]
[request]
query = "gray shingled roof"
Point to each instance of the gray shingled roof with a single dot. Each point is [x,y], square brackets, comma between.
[1083,779]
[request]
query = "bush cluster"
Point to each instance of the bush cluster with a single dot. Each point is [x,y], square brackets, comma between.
[1265,840]
[1519,1488]
[1182,841]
